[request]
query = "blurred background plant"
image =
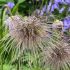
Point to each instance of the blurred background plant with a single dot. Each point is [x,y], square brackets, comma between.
[57,13]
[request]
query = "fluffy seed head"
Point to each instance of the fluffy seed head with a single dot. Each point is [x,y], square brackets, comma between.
[58,56]
[29,30]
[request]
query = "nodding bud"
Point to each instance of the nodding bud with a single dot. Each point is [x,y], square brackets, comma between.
[10,5]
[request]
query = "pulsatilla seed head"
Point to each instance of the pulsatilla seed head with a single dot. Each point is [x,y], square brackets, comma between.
[28,29]
[58,56]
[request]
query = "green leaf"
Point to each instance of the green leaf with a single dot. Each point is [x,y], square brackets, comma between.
[2,0]
[20,1]
[2,3]
[15,9]
[9,0]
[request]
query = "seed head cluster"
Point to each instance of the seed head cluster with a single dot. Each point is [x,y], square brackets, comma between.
[28,29]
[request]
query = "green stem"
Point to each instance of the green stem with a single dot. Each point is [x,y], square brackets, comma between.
[1,63]
[18,68]
[1,23]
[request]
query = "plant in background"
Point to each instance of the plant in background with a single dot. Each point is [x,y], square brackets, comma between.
[66,23]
